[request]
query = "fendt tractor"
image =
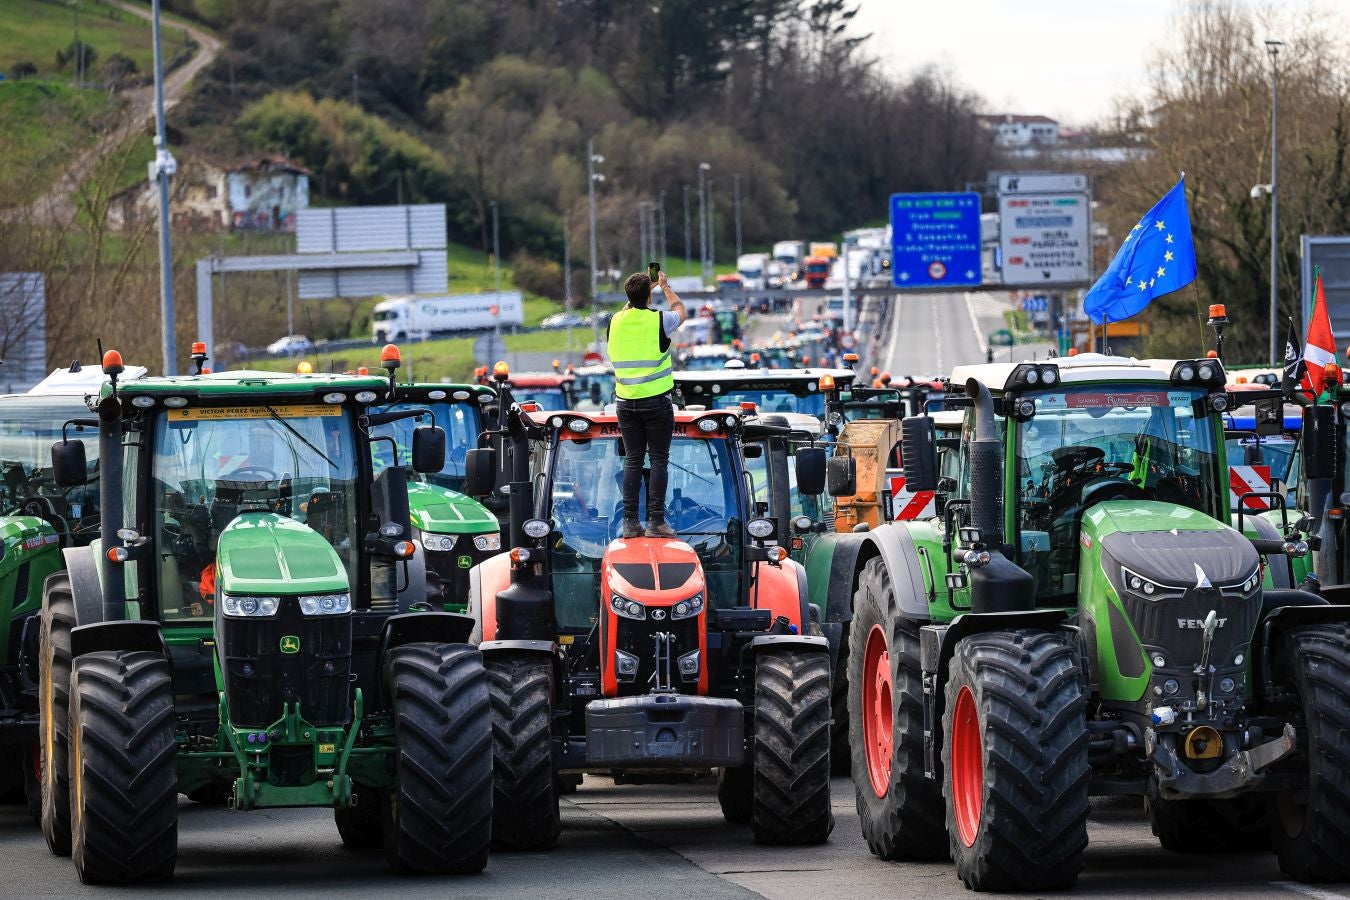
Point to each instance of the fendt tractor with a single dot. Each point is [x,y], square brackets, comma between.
[38,517]
[252,618]
[652,659]
[455,531]
[1080,618]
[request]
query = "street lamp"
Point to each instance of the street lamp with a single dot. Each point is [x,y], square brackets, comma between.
[703,221]
[1273,48]
[592,178]
[162,168]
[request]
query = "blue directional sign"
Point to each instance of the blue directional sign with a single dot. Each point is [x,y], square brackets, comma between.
[935,240]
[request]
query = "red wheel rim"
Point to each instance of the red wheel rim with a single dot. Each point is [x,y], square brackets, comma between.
[967,767]
[878,715]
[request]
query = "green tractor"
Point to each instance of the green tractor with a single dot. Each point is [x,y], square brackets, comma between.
[252,623]
[455,531]
[1080,619]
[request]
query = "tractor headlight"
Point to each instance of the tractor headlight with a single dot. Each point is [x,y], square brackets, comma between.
[686,609]
[1150,590]
[326,605]
[440,543]
[249,607]
[688,664]
[625,665]
[759,529]
[1251,583]
[628,609]
[536,528]
[487,542]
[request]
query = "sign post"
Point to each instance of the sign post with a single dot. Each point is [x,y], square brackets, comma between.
[935,240]
[1045,224]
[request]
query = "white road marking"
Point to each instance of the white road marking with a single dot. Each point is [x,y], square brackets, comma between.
[937,335]
[895,333]
[1309,891]
[975,325]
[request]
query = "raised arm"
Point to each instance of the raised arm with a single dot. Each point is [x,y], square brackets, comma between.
[676,305]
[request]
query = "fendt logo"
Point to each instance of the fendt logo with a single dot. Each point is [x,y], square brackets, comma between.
[1197,623]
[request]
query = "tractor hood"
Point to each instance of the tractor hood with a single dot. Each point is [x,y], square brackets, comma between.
[263,553]
[439,510]
[652,569]
[1170,544]
[20,538]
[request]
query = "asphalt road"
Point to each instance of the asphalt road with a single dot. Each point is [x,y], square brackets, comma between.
[629,841]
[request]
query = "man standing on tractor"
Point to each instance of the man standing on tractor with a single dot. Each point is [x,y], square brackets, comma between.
[639,348]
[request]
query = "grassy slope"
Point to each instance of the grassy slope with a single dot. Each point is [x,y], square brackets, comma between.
[33,30]
[44,125]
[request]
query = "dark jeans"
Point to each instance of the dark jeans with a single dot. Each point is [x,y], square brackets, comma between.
[646,426]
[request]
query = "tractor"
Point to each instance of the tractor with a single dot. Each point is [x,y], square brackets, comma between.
[456,532]
[251,623]
[652,659]
[1081,619]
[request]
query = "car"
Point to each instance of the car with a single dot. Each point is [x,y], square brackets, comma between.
[562,320]
[291,343]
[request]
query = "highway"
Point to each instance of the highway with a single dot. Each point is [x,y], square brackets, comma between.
[629,841]
[931,333]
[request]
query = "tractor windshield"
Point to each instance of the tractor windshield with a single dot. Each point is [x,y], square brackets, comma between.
[586,495]
[549,399]
[212,463]
[1091,444]
[459,421]
[28,428]
[774,400]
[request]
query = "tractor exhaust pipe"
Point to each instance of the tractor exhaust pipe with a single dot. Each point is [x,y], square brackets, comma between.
[986,468]
[110,499]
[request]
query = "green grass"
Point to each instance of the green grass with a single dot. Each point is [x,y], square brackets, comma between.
[45,125]
[444,360]
[34,30]
[548,341]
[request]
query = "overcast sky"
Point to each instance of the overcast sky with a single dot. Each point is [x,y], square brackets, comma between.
[1062,58]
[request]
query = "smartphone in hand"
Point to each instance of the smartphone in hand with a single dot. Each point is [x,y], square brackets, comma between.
[653,270]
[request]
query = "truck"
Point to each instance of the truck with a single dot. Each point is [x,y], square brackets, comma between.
[399,318]
[816,270]
[790,254]
[754,270]
[827,249]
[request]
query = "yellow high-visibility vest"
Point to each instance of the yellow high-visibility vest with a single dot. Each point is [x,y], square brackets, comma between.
[641,368]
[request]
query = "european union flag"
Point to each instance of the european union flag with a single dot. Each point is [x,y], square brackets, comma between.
[1157,257]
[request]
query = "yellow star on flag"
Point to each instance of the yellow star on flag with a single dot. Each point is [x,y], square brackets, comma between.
[1159,225]
[1161,271]
[1169,239]
[1167,257]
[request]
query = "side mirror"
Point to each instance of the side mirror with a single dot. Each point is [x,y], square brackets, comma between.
[428,448]
[918,453]
[480,471]
[68,464]
[752,451]
[1319,441]
[810,470]
[841,476]
[595,392]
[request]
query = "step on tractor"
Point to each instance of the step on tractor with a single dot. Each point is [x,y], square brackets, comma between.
[38,517]
[251,625]
[455,531]
[1081,619]
[651,659]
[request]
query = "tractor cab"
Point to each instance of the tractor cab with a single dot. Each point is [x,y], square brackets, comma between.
[455,531]
[771,391]
[707,357]
[594,387]
[547,390]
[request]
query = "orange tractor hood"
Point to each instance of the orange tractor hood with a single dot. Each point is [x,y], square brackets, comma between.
[655,571]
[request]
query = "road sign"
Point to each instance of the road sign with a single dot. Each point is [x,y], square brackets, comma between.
[1332,254]
[1044,238]
[1042,184]
[935,240]
[1001,338]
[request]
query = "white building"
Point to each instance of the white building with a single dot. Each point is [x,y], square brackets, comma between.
[262,194]
[1012,131]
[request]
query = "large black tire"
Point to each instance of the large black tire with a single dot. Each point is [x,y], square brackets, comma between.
[1311,838]
[438,816]
[906,821]
[123,767]
[524,791]
[32,782]
[1210,826]
[361,825]
[841,760]
[736,792]
[1017,797]
[791,748]
[58,618]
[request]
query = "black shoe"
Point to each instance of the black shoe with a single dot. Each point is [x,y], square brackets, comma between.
[659,529]
[632,528]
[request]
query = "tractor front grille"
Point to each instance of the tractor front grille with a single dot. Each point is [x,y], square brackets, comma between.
[639,639]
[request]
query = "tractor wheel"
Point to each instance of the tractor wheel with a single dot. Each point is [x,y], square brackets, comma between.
[438,816]
[900,807]
[841,760]
[1015,764]
[360,825]
[1311,828]
[123,768]
[524,791]
[32,781]
[791,748]
[736,792]
[58,618]
[1210,826]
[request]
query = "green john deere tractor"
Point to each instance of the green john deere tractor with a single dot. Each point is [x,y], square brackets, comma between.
[1081,619]
[455,531]
[252,622]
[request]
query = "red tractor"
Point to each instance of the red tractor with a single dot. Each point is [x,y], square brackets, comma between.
[649,658]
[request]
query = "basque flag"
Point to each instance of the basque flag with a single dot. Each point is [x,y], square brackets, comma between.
[1157,257]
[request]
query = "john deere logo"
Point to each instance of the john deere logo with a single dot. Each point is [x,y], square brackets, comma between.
[290,643]
[466,562]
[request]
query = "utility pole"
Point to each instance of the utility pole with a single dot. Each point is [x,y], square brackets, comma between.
[356,97]
[703,221]
[848,292]
[1273,48]
[712,238]
[592,177]
[736,189]
[161,169]
[642,234]
[688,244]
[567,277]
[662,255]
